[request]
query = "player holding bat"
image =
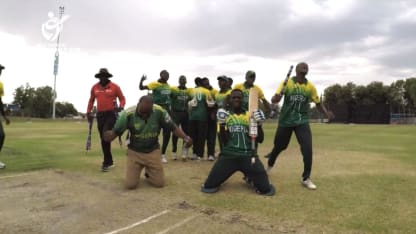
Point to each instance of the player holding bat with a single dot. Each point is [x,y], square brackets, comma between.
[298,92]
[237,153]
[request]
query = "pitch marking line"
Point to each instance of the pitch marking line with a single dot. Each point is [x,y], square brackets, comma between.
[178,224]
[138,223]
[13,176]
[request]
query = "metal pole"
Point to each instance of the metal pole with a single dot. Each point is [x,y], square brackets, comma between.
[56,62]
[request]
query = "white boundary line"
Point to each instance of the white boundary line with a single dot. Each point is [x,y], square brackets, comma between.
[13,176]
[178,224]
[138,223]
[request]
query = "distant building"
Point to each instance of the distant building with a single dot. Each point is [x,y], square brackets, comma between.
[12,109]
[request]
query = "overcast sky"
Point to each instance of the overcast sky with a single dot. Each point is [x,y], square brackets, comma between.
[342,40]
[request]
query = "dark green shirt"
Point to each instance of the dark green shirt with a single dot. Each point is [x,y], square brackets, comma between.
[144,134]
[198,108]
[295,106]
[180,99]
[161,94]
[238,144]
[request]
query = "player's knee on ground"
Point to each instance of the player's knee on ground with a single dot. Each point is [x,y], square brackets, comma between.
[157,182]
[209,190]
[131,185]
[271,191]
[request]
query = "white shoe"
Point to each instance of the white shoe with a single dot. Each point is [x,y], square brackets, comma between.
[164,160]
[174,156]
[184,157]
[195,157]
[308,184]
[2,165]
[185,151]
[211,158]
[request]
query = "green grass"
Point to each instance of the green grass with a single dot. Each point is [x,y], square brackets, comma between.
[366,175]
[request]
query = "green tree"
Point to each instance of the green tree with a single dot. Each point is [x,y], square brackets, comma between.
[410,94]
[23,96]
[43,102]
[64,109]
[396,96]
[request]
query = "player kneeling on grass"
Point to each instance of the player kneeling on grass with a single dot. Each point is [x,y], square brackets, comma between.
[144,124]
[237,153]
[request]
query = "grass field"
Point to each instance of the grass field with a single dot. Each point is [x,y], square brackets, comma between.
[366,178]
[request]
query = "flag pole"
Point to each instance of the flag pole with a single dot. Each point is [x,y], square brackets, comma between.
[56,63]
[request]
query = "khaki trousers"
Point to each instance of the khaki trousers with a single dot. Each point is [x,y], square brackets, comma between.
[135,163]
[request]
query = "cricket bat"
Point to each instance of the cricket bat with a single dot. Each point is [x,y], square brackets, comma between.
[253,105]
[286,79]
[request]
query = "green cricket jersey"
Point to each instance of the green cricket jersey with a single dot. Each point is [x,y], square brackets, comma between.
[246,93]
[180,98]
[198,111]
[161,94]
[144,134]
[220,97]
[238,144]
[295,107]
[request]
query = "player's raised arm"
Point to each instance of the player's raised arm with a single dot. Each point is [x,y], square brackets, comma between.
[141,86]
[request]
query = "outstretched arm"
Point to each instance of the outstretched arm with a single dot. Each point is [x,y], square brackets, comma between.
[179,133]
[141,86]
[266,105]
[323,110]
[276,98]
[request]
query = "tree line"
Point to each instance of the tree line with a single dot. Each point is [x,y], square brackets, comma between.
[400,95]
[37,103]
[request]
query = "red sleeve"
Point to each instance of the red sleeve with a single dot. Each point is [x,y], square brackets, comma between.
[121,97]
[91,101]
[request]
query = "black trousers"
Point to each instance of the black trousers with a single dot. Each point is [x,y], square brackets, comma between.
[105,122]
[225,167]
[211,136]
[2,135]
[198,132]
[282,139]
[181,119]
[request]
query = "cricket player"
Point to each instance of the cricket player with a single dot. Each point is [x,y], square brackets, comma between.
[180,97]
[298,92]
[2,135]
[221,99]
[162,97]
[198,117]
[105,92]
[212,121]
[245,87]
[237,153]
[144,124]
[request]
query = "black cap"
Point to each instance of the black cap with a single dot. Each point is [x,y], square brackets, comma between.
[2,67]
[222,78]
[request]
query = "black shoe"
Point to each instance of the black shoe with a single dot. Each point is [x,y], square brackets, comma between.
[106,168]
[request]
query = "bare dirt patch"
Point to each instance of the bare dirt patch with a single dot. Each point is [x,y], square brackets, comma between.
[56,201]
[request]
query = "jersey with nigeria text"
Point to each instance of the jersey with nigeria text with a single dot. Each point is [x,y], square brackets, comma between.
[144,134]
[180,99]
[296,102]
[246,93]
[198,108]
[238,144]
[161,94]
